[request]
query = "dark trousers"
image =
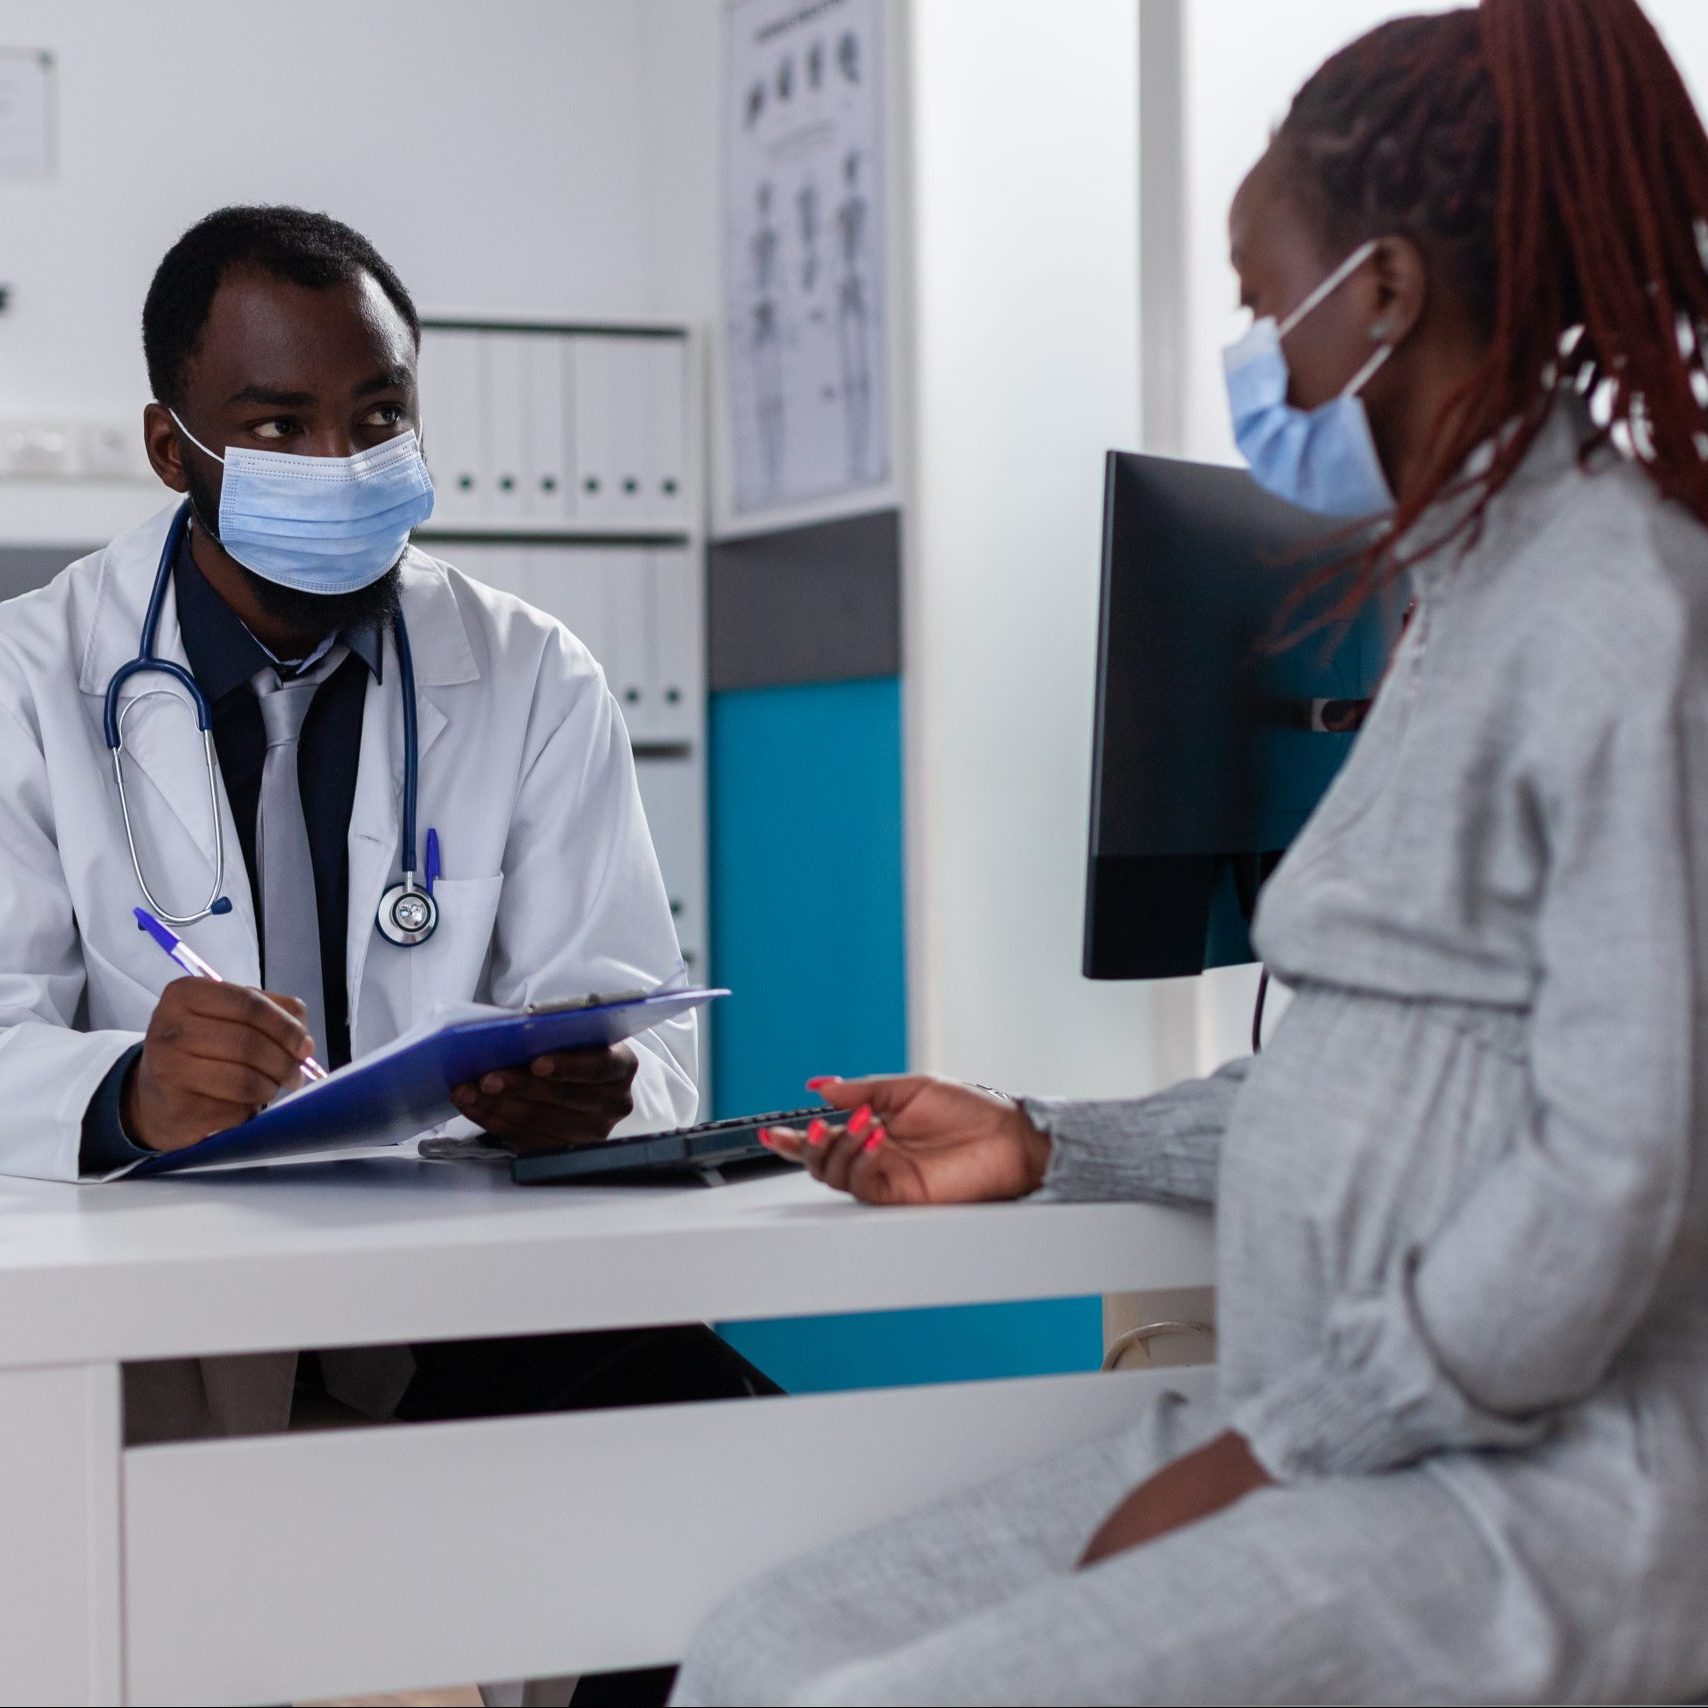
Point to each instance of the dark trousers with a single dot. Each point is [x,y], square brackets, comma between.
[582,1372]
[576,1372]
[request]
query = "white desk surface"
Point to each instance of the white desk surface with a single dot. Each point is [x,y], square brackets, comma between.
[392,1249]
[135,1574]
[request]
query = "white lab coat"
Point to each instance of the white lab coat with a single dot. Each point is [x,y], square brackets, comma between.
[550,887]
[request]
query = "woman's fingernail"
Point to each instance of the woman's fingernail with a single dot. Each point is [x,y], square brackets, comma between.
[862,1119]
[820,1081]
[817,1131]
[766,1139]
[492,1084]
[874,1139]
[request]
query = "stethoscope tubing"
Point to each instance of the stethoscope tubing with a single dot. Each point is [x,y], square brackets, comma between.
[113,716]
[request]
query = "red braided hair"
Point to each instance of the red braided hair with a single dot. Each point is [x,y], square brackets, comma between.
[1547,159]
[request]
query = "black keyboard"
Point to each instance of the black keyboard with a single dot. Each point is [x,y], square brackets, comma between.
[711,1152]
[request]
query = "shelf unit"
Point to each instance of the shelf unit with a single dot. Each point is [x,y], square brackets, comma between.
[568,472]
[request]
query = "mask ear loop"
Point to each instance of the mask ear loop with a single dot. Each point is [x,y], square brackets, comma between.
[1329,285]
[193,439]
[1362,378]
[1326,289]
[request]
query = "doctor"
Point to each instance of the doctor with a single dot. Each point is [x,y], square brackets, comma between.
[348,684]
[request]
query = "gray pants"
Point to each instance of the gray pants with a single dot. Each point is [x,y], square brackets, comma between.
[1349,1589]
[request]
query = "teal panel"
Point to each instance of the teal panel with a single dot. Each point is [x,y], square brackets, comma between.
[896,1349]
[807,916]
[808,932]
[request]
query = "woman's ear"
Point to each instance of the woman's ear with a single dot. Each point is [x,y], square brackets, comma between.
[1401,288]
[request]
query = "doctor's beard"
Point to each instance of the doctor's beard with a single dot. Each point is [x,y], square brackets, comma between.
[318,614]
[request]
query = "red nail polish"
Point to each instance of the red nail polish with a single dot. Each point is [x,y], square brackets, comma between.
[821,1080]
[765,1138]
[874,1139]
[862,1119]
[817,1131]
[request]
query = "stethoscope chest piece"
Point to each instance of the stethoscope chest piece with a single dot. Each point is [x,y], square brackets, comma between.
[408,915]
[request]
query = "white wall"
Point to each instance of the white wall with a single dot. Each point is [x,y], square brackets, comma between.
[1025,288]
[535,157]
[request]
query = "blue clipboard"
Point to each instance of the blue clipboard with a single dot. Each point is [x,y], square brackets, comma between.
[393,1097]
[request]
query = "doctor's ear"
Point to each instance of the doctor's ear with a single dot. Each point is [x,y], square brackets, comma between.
[165,449]
[1402,288]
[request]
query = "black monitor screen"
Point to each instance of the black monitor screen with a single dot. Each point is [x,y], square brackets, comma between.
[1212,747]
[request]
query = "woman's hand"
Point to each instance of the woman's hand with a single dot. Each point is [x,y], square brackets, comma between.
[1216,1475]
[913,1139]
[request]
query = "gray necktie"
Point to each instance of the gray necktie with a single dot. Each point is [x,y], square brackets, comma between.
[290,920]
[370,1379]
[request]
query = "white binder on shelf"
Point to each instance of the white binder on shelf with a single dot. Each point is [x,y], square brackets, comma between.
[508,390]
[677,673]
[670,792]
[454,422]
[549,495]
[665,426]
[570,586]
[623,571]
[495,564]
[472,560]
[595,371]
[627,362]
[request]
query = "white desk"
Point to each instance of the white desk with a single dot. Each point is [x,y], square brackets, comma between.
[313,1564]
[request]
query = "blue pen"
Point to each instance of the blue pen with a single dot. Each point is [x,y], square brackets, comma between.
[197,968]
[432,869]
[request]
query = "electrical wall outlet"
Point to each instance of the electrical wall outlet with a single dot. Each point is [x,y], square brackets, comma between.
[71,450]
[34,449]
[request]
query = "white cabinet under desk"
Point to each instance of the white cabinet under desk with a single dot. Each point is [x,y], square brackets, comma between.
[315,1564]
[567,465]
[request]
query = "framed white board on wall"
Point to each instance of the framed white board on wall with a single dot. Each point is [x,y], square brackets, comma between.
[805,404]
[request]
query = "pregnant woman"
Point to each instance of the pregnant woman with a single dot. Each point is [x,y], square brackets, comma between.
[1460,1447]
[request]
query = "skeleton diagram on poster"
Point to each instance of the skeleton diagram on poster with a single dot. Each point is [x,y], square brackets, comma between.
[805,292]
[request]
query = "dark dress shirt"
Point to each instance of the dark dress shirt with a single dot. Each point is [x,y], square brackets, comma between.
[224,657]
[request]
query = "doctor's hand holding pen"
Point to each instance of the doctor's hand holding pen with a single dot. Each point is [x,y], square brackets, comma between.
[214,1054]
[914,1139]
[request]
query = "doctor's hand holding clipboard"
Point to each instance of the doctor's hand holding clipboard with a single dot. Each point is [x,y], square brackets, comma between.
[216,1054]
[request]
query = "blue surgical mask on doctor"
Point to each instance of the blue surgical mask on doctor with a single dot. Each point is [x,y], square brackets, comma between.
[321,524]
[1321,459]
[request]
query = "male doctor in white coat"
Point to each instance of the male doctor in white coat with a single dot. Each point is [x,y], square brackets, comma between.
[280,332]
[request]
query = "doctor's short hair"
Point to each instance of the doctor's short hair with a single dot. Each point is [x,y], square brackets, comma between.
[295,244]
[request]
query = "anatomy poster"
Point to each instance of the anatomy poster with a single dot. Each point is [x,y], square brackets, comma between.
[805,286]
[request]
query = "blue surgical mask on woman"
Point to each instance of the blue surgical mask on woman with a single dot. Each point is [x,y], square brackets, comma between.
[321,524]
[1320,459]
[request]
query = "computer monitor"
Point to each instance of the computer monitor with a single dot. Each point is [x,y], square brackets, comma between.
[1211,747]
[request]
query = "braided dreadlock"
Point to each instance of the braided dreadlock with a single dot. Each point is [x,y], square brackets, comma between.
[1546,158]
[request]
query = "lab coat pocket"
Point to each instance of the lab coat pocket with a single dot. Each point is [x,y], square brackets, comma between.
[452,965]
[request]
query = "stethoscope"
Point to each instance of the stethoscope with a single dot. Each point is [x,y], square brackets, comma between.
[408,913]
